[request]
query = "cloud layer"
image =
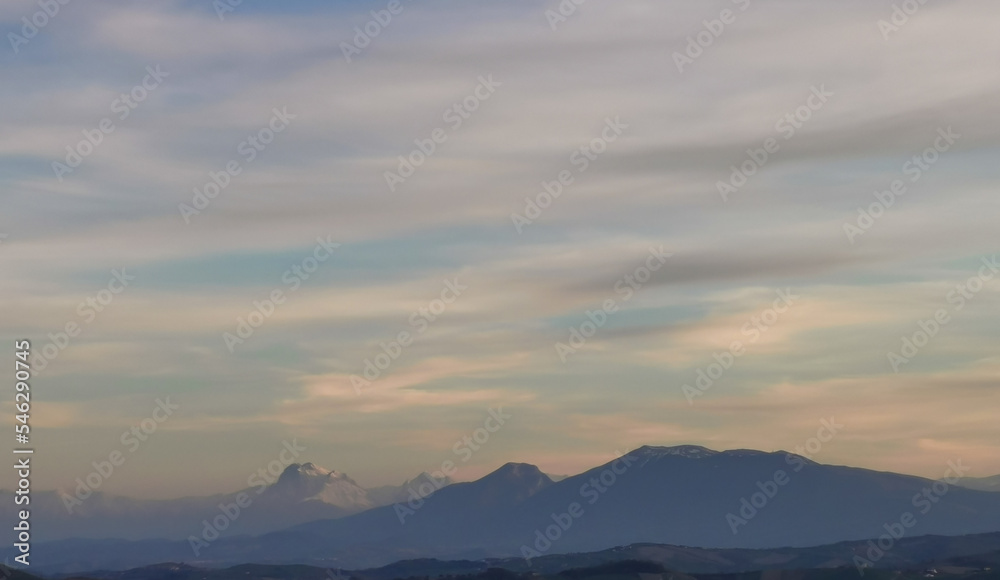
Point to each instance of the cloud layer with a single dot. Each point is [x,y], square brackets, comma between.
[863,281]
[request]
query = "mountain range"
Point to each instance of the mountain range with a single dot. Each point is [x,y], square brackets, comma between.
[683,496]
[302,493]
[950,557]
[981,483]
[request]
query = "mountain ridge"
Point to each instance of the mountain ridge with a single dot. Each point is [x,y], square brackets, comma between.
[682,495]
[302,492]
[918,552]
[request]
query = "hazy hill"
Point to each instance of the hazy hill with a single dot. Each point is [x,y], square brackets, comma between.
[302,493]
[981,483]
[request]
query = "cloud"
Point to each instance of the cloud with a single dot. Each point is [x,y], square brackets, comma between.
[655,186]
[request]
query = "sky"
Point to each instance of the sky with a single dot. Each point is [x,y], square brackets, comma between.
[571,210]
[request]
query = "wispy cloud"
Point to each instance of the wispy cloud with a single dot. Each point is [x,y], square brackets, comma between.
[657,186]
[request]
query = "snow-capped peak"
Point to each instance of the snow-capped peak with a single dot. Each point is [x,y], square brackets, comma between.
[691,451]
[313,470]
[310,482]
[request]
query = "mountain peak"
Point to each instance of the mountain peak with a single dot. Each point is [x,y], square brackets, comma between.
[297,471]
[690,451]
[310,482]
[518,471]
[507,486]
[518,475]
[744,453]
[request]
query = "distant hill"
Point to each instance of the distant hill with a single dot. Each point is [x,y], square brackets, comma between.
[620,564]
[302,493]
[981,483]
[15,574]
[419,486]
